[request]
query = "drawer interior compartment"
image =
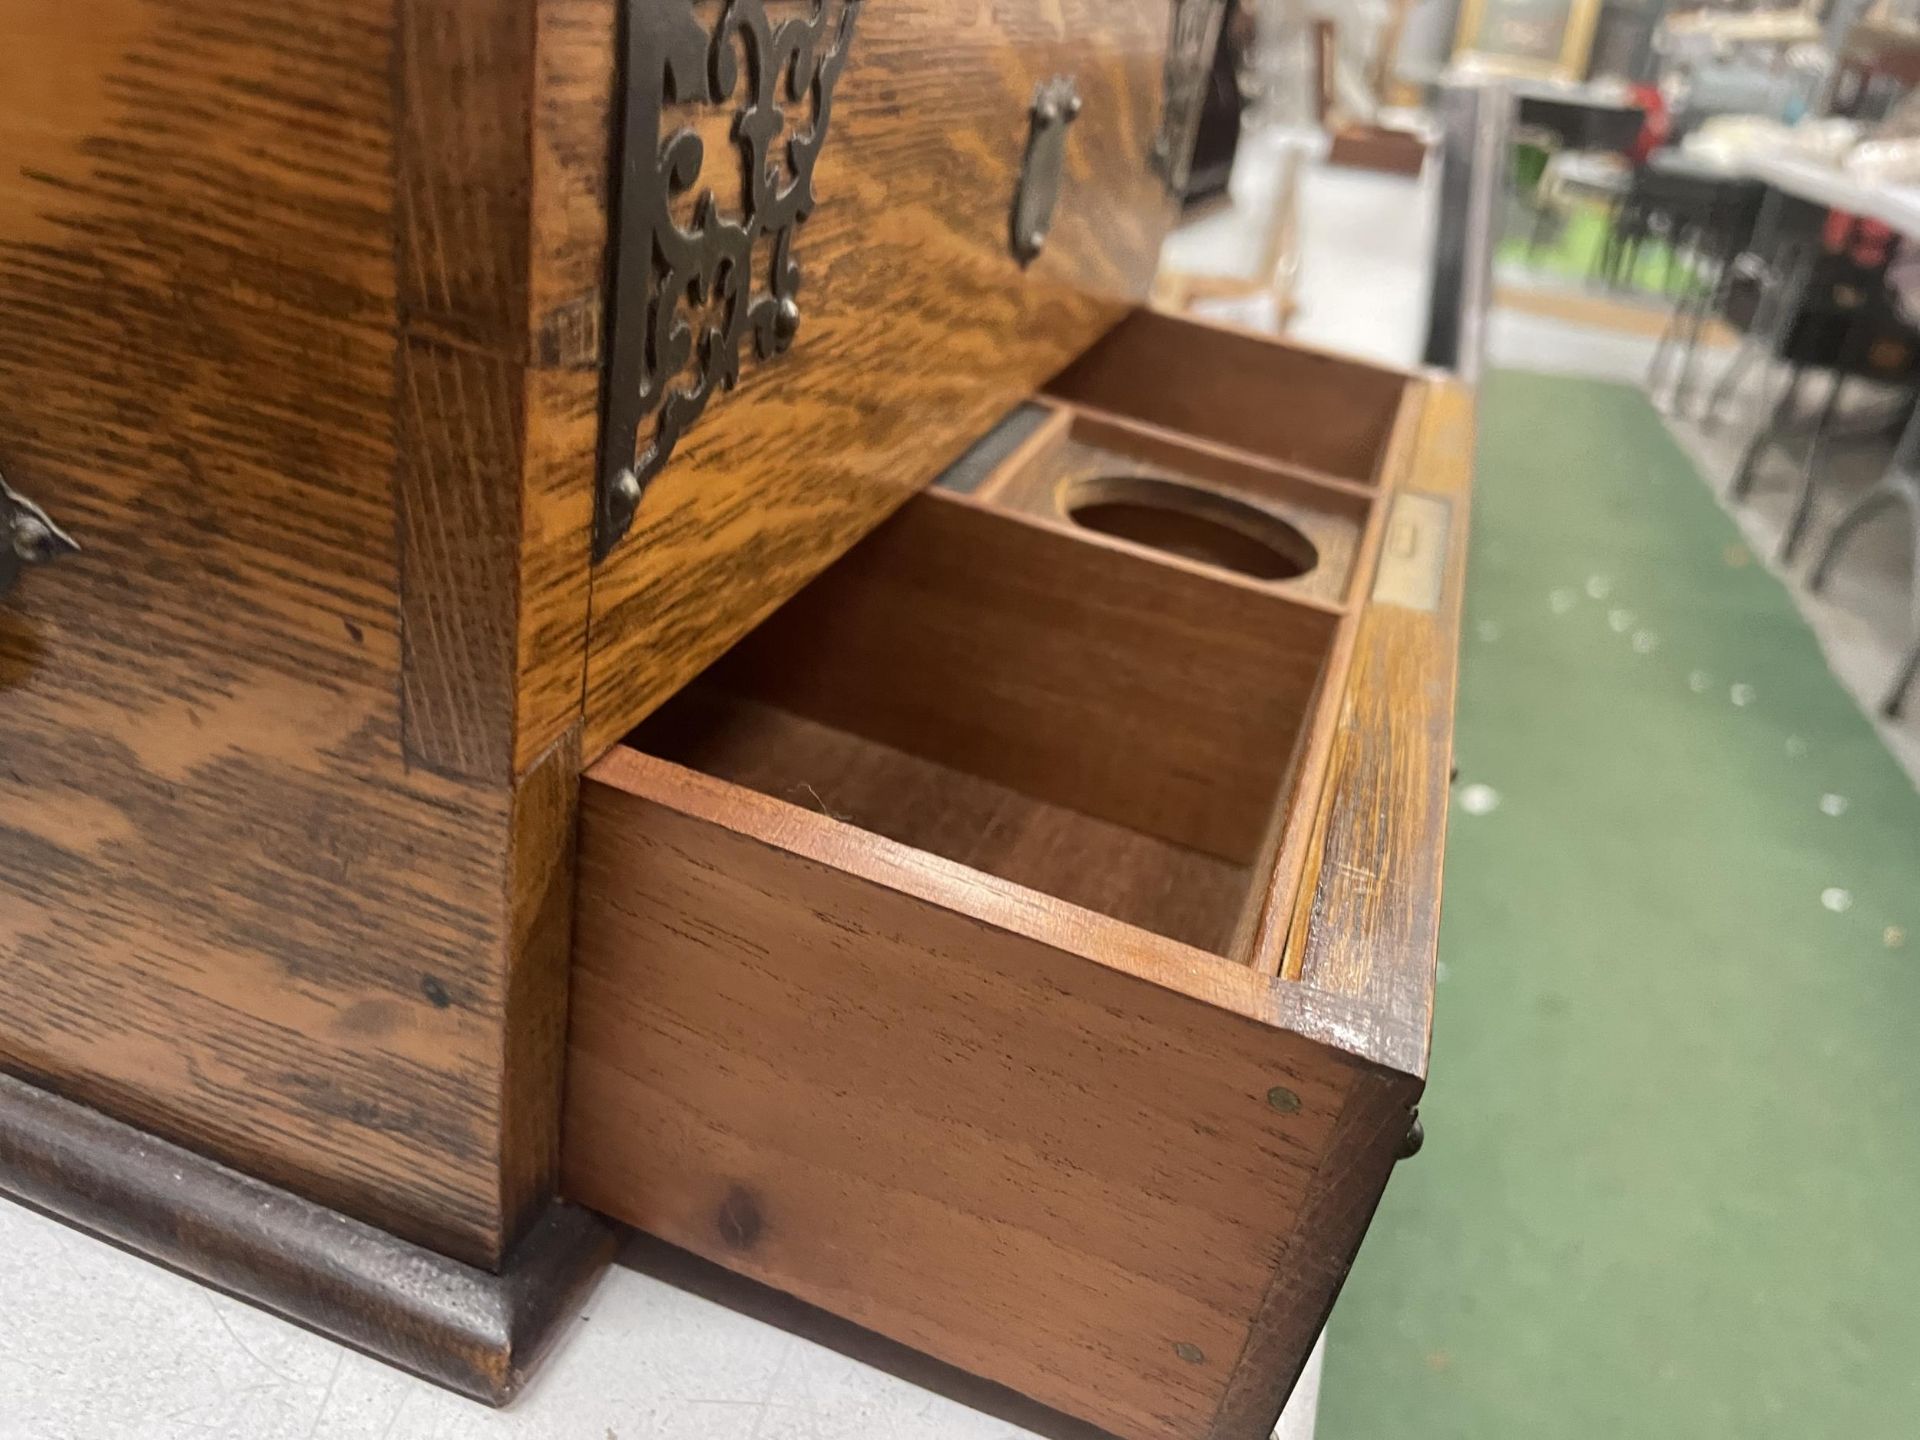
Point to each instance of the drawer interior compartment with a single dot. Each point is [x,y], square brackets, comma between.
[1070,714]
[1325,414]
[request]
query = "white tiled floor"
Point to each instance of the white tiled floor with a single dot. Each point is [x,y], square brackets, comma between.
[98,1345]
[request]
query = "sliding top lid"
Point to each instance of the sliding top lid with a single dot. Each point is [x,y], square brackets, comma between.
[844,238]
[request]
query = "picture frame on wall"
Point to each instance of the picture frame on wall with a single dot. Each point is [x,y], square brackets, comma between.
[1544,39]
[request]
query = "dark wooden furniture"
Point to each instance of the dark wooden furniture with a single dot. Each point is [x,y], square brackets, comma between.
[1359,146]
[1216,137]
[1580,120]
[1044,895]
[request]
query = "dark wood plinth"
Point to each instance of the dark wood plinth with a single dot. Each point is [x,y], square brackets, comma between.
[468,1329]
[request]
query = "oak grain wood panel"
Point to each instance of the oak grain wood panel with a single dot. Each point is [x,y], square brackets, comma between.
[456,488]
[260,886]
[538,949]
[1372,925]
[493,495]
[1307,408]
[1079,670]
[918,328]
[1264,943]
[461,87]
[1047,1168]
[573,74]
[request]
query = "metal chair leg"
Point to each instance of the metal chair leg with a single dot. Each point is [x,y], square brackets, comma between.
[1664,348]
[1706,302]
[1846,527]
[1729,380]
[1771,431]
[1895,705]
[1900,485]
[1810,474]
[1757,344]
[1908,487]
[1673,346]
[1773,323]
[1537,232]
[1852,351]
[1758,341]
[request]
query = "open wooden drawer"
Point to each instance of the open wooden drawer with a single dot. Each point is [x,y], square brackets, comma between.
[1022,943]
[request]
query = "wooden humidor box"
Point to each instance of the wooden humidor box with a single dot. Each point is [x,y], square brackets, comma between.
[1002,914]
[1021,942]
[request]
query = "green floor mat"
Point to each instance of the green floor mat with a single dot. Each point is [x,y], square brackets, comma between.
[1671,1185]
[1572,250]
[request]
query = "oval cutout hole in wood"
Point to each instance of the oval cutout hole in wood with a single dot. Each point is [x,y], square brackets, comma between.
[1192,523]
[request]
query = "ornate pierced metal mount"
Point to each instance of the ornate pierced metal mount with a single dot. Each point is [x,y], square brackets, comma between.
[27,536]
[690,281]
[1056,105]
[1190,46]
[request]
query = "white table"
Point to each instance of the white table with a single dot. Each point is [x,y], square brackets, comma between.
[1895,206]
[1898,208]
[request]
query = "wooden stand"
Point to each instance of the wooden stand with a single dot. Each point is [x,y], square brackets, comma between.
[1376,147]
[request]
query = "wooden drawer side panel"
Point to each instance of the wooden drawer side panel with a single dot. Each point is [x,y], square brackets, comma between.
[1047,1171]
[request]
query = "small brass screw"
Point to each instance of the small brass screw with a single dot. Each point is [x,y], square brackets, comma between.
[1283,1100]
[1190,1352]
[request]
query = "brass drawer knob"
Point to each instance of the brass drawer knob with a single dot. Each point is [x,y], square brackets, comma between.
[28,536]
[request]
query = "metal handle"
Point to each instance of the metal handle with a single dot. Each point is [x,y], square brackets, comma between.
[28,536]
[1056,105]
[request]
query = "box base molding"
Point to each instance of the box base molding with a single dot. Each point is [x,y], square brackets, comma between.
[475,1332]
